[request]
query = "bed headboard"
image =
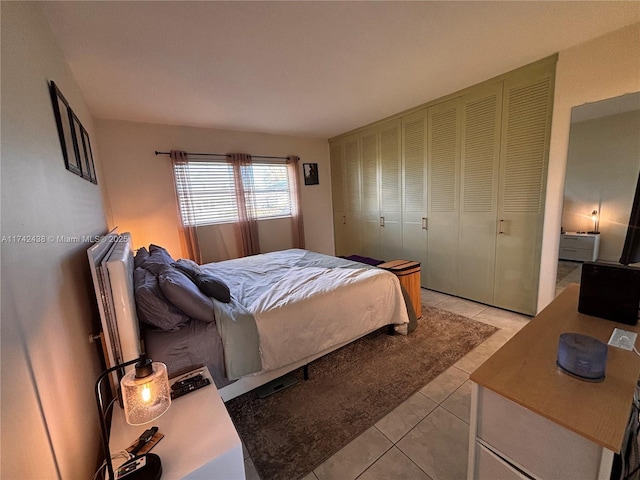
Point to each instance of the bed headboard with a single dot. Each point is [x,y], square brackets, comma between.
[111,262]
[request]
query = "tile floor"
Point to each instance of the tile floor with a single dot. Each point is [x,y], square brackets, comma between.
[427,436]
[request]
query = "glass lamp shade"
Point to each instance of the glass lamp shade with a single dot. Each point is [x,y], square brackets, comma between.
[145,393]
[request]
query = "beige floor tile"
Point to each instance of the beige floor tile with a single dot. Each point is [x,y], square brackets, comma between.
[407,415]
[459,402]
[394,465]
[355,458]
[497,340]
[502,319]
[310,476]
[433,298]
[439,445]
[463,307]
[444,384]
[472,360]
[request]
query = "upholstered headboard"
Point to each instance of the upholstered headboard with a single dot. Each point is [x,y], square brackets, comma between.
[111,262]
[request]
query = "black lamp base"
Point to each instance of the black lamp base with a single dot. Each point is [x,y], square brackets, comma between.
[152,469]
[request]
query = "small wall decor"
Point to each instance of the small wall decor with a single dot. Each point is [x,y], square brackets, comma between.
[74,139]
[310,173]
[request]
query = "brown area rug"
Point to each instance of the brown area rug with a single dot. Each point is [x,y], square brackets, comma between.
[293,431]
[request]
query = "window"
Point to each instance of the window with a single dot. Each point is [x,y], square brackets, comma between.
[211,187]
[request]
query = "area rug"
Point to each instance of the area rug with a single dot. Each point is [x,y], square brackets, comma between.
[293,431]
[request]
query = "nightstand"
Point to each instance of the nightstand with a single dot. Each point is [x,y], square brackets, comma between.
[582,247]
[199,441]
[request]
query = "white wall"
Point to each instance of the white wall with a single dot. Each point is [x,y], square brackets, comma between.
[602,172]
[605,67]
[141,192]
[48,367]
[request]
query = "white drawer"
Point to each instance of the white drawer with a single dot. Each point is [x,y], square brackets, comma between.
[577,254]
[577,242]
[539,446]
[490,466]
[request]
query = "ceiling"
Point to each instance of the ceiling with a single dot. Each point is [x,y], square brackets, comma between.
[305,68]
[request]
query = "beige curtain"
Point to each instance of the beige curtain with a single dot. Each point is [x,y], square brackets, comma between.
[182,185]
[296,203]
[248,241]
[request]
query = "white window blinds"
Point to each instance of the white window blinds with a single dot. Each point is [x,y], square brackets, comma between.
[206,191]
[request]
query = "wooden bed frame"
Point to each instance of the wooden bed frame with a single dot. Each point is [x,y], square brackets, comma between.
[111,261]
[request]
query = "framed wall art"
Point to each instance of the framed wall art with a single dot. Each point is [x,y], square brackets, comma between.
[74,138]
[63,115]
[310,173]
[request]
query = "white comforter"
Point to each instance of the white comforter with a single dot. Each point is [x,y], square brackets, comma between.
[314,309]
[290,305]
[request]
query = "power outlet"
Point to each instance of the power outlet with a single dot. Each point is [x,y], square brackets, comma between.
[623,339]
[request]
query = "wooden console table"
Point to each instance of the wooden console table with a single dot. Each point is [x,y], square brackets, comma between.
[530,420]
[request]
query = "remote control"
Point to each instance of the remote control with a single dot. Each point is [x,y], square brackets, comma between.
[184,388]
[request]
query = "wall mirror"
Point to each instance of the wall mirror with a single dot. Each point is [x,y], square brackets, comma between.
[603,162]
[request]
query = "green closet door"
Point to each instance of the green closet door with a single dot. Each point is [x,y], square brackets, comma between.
[480,165]
[390,191]
[352,194]
[414,205]
[336,151]
[443,154]
[523,171]
[370,234]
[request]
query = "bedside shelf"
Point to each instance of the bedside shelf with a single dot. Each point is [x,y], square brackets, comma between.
[582,247]
[199,441]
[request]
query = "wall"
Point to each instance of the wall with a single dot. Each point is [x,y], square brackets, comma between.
[141,192]
[602,172]
[605,67]
[48,367]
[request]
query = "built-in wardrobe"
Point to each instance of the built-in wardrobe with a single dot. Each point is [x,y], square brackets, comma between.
[457,184]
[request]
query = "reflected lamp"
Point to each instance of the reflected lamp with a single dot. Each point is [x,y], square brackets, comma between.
[594,219]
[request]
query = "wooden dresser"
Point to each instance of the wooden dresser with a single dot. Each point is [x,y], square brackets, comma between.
[530,420]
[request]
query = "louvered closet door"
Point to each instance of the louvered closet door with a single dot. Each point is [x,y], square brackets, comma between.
[352,194]
[370,237]
[480,142]
[390,191]
[338,198]
[523,171]
[414,210]
[443,160]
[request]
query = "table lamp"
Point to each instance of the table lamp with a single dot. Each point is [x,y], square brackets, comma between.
[146,395]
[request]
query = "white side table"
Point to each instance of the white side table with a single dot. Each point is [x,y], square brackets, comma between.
[199,441]
[583,247]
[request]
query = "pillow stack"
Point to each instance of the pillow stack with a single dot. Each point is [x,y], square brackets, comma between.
[169,293]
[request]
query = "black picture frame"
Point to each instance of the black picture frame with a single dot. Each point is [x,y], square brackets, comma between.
[83,149]
[310,171]
[63,115]
[89,157]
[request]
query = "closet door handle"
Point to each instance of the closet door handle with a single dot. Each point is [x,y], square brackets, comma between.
[424,223]
[344,219]
[501,227]
[382,221]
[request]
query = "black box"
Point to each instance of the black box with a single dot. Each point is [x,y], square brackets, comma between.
[610,291]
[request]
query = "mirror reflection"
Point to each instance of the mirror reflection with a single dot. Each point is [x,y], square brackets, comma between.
[603,162]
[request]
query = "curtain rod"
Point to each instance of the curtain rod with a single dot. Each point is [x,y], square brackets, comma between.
[219,155]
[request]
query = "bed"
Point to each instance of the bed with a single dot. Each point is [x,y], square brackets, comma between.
[282,310]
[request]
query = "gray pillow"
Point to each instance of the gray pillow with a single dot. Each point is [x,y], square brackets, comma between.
[157,260]
[208,284]
[141,255]
[184,294]
[152,306]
